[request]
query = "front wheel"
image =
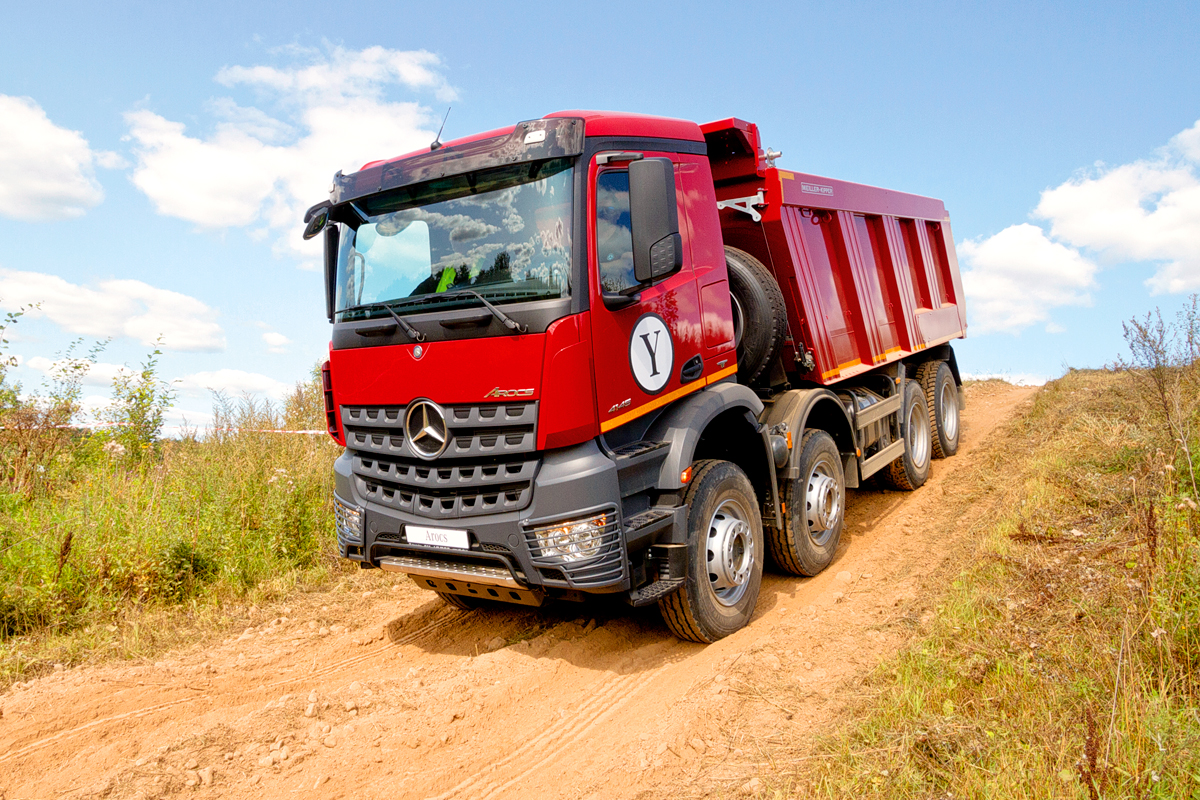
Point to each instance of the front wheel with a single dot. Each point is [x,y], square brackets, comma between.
[725,556]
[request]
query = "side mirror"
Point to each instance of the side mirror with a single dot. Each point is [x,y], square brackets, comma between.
[316,218]
[654,216]
[332,240]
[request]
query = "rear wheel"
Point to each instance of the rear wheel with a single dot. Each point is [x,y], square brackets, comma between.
[910,470]
[759,315]
[816,508]
[725,555]
[941,396]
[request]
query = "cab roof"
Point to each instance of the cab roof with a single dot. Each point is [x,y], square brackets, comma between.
[596,123]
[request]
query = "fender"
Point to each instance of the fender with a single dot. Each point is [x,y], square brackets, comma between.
[796,408]
[683,424]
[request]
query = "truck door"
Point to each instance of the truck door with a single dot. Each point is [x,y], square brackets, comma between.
[648,352]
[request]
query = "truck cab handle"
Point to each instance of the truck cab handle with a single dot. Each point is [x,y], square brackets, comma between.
[377,330]
[473,321]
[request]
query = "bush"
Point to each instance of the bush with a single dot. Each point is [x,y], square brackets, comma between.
[140,403]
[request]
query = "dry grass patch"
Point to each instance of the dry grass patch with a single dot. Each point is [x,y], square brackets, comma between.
[1062,662]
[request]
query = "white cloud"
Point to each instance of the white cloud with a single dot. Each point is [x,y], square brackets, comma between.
[46,172]
[98,374]
[115,308]
[1014,279]
[94,406]
[347,74]
[276,342]
[233,382]
[262,171]
[1148,210]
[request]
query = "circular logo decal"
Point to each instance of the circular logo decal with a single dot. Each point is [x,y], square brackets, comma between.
[651,353]
[425,426]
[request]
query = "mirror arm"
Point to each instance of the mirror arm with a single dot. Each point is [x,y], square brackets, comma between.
[308,215]
[615,302]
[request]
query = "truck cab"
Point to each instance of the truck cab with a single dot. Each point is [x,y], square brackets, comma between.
[554,376]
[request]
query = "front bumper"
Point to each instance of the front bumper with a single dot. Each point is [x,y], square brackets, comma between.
[571,483]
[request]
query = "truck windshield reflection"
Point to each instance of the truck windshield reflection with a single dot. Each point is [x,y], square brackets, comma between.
[505,233]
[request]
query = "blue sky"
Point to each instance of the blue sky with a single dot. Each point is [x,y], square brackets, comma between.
[154,157]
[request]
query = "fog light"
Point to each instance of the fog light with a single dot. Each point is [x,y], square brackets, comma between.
[348,519]
[573,540]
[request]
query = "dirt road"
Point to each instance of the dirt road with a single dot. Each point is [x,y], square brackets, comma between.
[397,695]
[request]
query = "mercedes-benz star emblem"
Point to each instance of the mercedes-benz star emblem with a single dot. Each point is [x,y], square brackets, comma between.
[425,427]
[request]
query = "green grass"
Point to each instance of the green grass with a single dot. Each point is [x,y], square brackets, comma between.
[108,554]
[1062,661]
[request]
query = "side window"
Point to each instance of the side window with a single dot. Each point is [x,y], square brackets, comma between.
[614,235]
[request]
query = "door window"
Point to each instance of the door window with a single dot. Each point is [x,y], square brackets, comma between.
[614,234]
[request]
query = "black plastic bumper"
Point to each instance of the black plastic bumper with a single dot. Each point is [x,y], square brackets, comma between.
[572,483]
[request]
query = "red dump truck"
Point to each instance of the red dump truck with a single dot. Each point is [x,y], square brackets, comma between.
[611,353]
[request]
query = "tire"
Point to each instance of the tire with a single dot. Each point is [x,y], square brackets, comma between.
[718,594]
[909,471]
[941,396]
[460,601]
[816,509]
[759,315]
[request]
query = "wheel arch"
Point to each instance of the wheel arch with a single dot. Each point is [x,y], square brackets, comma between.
[941,352]
[699,419]
[815,409]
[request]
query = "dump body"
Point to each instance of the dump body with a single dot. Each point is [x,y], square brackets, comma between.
[869,275]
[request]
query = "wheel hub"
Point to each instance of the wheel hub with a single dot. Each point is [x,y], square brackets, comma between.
[730,552]
[823,503]
[949,420]
[918,435]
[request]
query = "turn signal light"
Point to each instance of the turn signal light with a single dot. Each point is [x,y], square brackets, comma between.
[686,475]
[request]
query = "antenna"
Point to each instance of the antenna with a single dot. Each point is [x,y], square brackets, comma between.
[437,140]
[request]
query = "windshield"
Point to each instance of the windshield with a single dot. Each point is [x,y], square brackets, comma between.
[504,233]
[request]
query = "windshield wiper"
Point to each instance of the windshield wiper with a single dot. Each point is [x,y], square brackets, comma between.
[508,321]
[412,332]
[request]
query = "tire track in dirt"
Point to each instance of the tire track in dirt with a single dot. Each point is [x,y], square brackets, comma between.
[423,632]
[566,732]
[448,619]
[38,745]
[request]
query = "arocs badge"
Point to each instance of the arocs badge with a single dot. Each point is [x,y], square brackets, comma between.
[651,353]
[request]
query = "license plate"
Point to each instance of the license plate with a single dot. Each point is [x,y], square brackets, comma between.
[439,537]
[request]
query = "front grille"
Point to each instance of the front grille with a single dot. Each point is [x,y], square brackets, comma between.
[488,466]
[494,429]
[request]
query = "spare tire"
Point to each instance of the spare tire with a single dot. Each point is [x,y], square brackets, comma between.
[759,315]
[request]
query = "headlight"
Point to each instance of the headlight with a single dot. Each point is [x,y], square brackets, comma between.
[349,521]
[573,540]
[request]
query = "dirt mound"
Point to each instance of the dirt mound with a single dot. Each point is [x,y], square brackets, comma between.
[396,694]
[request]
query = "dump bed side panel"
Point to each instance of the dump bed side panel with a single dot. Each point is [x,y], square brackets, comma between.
[869,275]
